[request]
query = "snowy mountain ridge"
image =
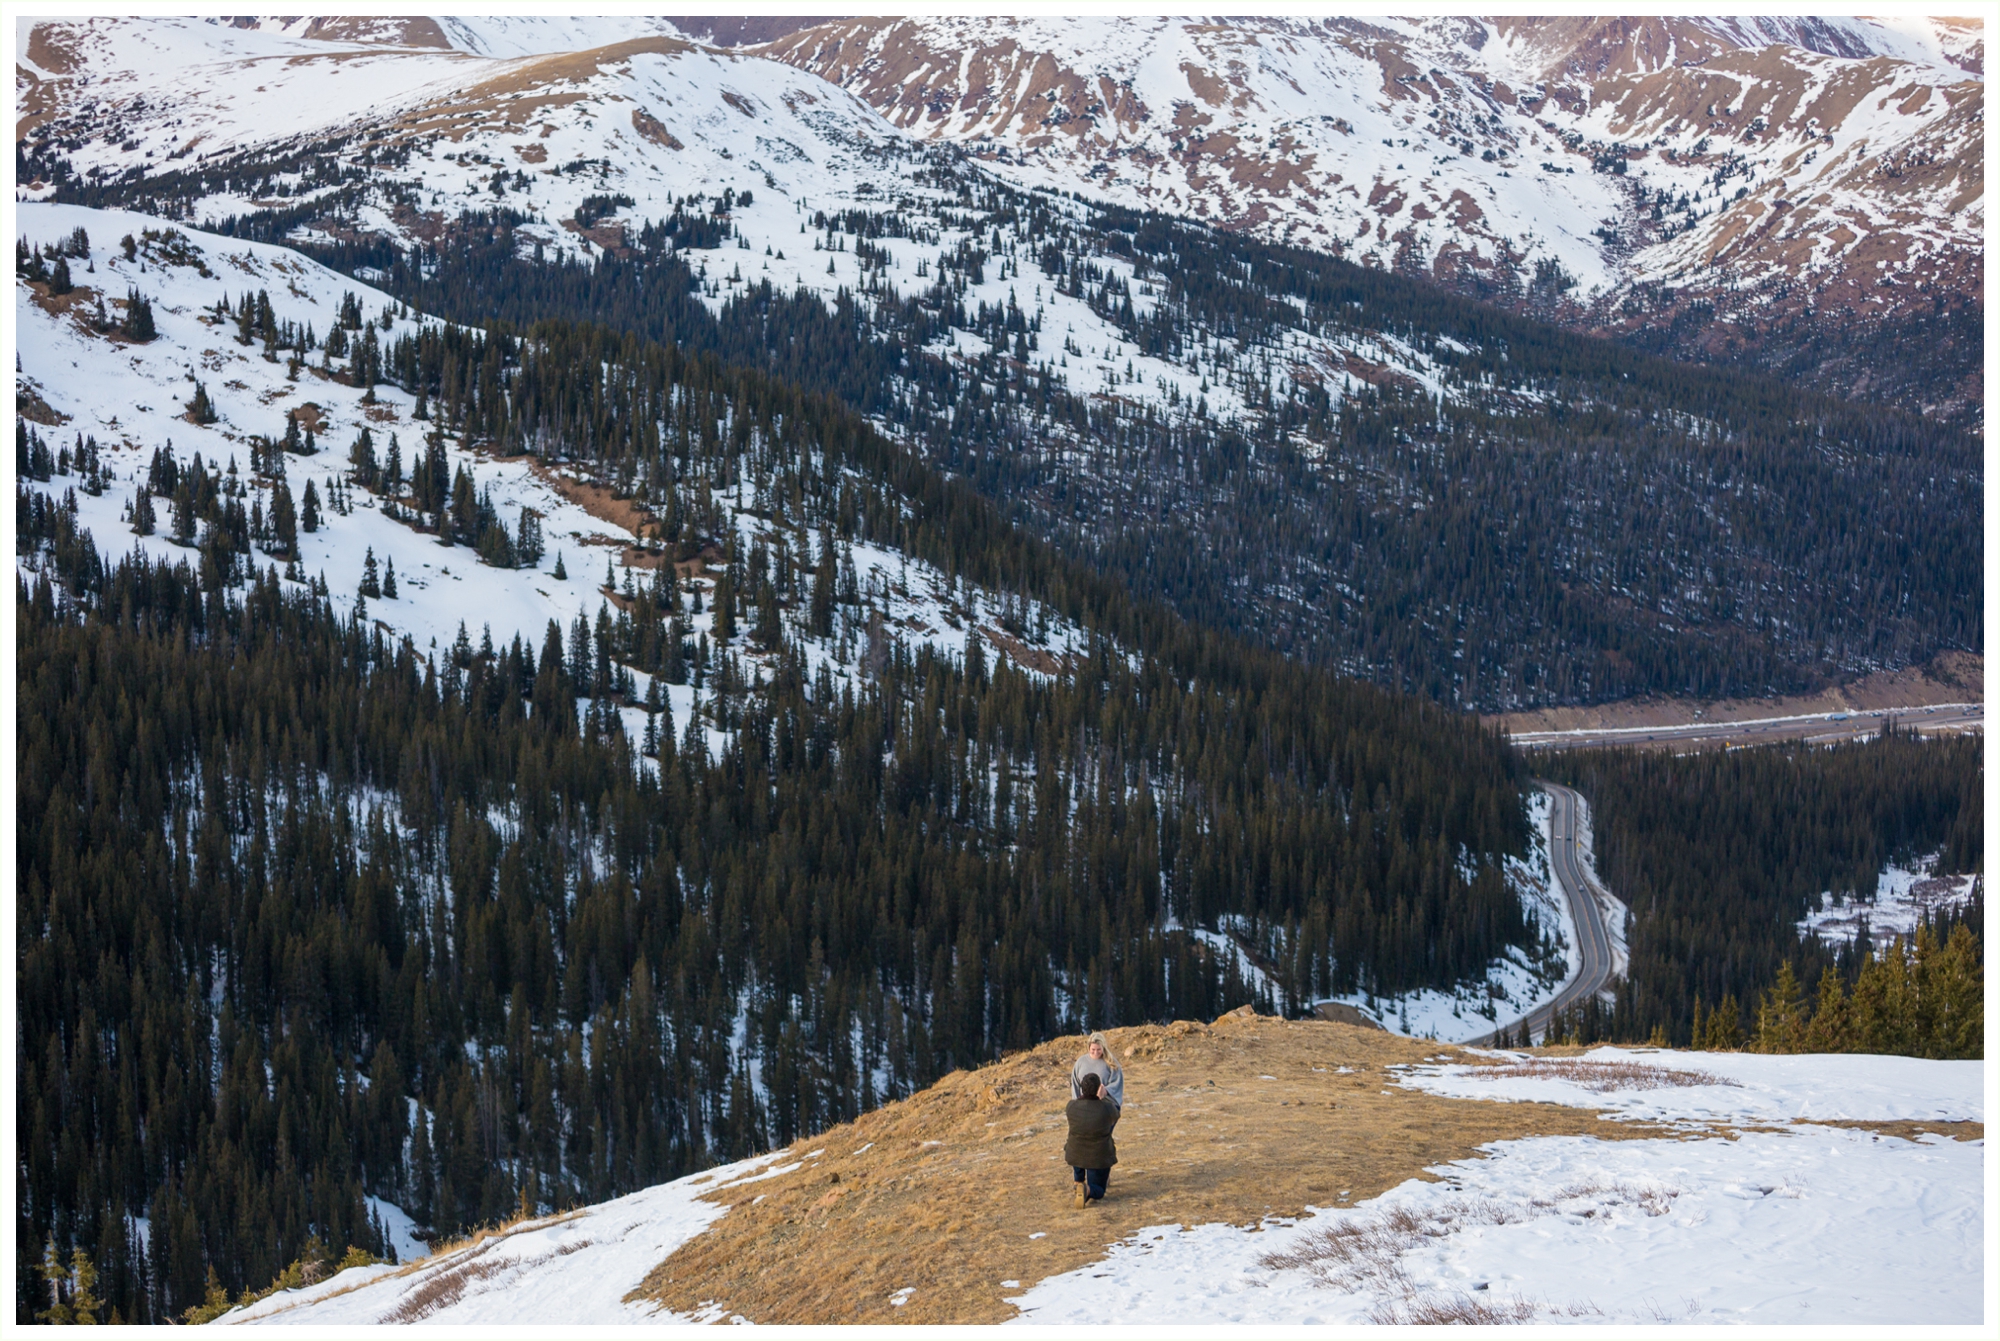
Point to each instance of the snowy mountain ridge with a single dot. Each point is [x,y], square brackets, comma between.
[1614,173]
[1719,187]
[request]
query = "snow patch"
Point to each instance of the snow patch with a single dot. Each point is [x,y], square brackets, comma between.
[1905,898]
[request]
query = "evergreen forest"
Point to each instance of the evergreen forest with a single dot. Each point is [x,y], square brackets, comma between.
[1540,517]
[1721,855]
[309,918]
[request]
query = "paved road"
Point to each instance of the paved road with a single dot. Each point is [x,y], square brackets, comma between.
[1585,911]
[1828,726]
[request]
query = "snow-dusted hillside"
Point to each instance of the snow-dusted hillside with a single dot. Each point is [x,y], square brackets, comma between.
[1786,1192]
[1905,897]
[133,399]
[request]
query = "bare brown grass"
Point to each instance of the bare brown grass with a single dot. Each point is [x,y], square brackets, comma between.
[939,1194]
[597,499]
[1905,1128]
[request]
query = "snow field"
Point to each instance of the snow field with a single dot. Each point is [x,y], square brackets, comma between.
[1733,1086]
[1811,1226]
[565,1270]
[1816,1227]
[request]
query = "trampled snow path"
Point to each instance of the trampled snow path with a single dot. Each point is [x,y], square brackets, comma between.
[1816,1225]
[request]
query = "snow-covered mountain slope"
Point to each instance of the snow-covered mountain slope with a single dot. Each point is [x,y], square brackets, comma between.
[565,1270]
[590,145]
[1785,1190]
[131,399]
[1731,188]
[1615,172]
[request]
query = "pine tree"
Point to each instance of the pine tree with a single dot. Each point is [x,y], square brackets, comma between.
[138,324]
[214,1303]
[557,572]
[1828,1029]
[1725,1026]
[1780,1019]
[769,631]
[528,539]
[389,580]
[309,510]
[362,457]
[371,578]
[143,520]
[73,1290]
[823,589]
[184,518]
[284,520]
[725,609]
[1955,984]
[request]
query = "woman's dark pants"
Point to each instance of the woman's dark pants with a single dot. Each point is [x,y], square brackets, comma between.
[1094,1182]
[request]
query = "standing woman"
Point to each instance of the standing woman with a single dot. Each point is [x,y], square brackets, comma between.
[1097,1061]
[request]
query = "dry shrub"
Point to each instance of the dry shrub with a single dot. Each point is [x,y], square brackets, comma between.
[1435,1309]
[1361,1252]
[443,1290]
[1604,1077]
[448,1287]
[1365,1250]
[1654,1198]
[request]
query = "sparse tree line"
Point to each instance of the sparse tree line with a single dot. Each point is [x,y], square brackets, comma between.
[1500,549]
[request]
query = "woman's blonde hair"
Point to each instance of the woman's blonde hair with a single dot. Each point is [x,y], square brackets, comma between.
[1097,1037]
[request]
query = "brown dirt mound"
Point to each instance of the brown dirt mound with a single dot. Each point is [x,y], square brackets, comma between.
[940,1193]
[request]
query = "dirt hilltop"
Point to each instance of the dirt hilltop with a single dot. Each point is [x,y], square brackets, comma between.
[939,1193]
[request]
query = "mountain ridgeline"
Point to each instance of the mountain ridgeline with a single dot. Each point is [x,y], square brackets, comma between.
[311,917]
[1548,518]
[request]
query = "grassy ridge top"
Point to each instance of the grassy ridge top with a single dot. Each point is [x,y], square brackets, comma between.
[1250,1117]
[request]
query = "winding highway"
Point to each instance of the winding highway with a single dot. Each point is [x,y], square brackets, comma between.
[1586,911]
